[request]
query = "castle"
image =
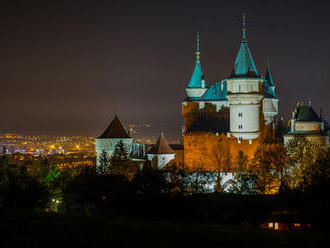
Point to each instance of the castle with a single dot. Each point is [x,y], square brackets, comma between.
[230,115]
[233,115]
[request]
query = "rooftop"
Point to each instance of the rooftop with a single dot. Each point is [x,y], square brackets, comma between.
[161,147]
[115,130]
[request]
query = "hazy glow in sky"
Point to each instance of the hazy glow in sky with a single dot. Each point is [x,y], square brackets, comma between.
[67,68]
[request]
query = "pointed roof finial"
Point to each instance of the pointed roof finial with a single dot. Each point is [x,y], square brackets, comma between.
[309,102]
[268,76]
[197,76]
[244,28]
[197,51]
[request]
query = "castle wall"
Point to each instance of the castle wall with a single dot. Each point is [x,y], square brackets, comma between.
[195,92]
[192,112]
[161,159]
[209,151]
[244,118]
[307,126]
[270,109]
[108,145]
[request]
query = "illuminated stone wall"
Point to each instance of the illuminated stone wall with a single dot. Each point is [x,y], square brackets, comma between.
[192,112]
[161,159]
[270,109]
[108,145]
[245,97]
[210,151]
[195,92]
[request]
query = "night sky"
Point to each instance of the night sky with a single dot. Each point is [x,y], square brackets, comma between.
[67,67]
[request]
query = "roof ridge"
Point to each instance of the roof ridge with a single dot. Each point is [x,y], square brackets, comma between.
[161,146]
[115,130]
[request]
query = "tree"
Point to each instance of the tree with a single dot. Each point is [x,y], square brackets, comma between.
[244,180]
[199,180]
[104,163]
[151,181]
[269,164]
[176,174]
[18,188]
[4,150]
[120,154]
[120,163]
[221,165]
[301,158]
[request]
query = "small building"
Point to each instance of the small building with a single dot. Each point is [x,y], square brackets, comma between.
[110,137]
[305,121]
[161,152]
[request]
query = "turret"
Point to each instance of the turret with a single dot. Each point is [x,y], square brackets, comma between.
[197,85]
[269,78]
[270,101]
[245,94]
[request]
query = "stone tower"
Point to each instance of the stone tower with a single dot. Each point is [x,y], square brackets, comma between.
[245,94]
[110,137]
[161,152]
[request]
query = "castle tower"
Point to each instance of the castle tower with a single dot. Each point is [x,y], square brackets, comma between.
[197,85]
[161,152]
[306,122]
[270,101]
[245,94]
[110,137]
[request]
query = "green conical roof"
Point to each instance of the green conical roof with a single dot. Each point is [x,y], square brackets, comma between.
[268,77]
[197,77]
[244,64]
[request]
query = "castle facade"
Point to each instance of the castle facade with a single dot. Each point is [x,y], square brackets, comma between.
[230,115]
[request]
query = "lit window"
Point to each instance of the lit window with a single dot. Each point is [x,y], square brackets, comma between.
[276,226]
[270,225]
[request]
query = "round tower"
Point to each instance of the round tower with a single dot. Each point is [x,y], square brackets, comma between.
[245,94]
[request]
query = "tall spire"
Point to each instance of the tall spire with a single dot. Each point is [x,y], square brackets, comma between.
[197,50]
[197,76]
[244,65]
[268,76]
[244,28]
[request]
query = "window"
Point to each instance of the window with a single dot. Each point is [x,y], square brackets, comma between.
[240,114]
[240,138]
[240,126]
[239,88]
